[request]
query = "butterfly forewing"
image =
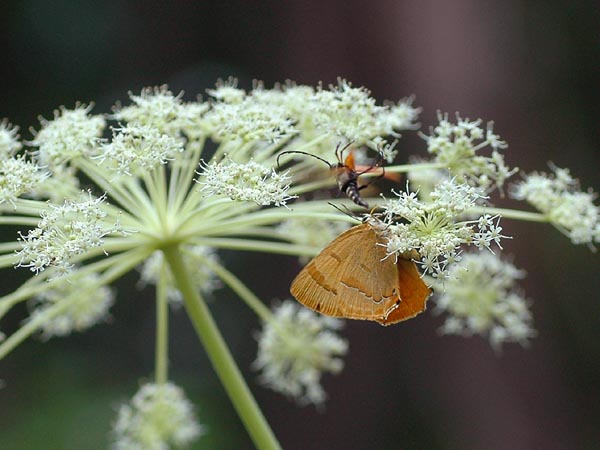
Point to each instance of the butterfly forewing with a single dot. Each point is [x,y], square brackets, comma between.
[352,278]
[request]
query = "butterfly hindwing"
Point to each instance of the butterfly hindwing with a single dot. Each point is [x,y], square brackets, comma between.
[413,291]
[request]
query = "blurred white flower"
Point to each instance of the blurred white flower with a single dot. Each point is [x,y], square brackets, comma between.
[480,296]
[159,417]
[310,232]
[249,120]
[138,149]
[9,139]
[352,113]
[86,302]
[18,177]
[227,91]
[296,348]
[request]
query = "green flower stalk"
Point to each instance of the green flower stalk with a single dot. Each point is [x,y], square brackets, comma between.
[169,183]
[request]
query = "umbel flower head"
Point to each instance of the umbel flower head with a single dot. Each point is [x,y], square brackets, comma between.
[558,196]
[457,148]
[166,183]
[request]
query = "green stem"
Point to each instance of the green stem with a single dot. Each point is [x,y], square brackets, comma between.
[162,329]
[257,219]
[114,189]
[182,175]
[254,245]
[219,354]
[24,206]
[414,167]
[35,323]
[308,145]
[9,260]
[11,247]
[240,289]
[20,220]
[312,186]
[511,214]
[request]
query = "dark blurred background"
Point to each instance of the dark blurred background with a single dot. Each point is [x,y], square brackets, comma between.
[533,67]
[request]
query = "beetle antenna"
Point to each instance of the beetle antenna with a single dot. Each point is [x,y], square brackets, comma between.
[303,153]
[347,211]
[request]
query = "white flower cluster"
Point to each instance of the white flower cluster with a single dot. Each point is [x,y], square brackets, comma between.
[64,232]
[568,208]
[248,181]
[249,120]
[71,134]
[159,417]
[457,147]
[194,255]
[434,229]
[480,297]
[227,91]
[342,112]
[138,148]
[87,303]
[158,108]
[352,113]
[17,177]
[296,348]
[9,139]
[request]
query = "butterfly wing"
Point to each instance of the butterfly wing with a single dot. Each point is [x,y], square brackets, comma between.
[351,278]
[317,285]
[413,292]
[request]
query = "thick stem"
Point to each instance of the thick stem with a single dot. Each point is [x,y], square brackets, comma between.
[162,329]
[219,354]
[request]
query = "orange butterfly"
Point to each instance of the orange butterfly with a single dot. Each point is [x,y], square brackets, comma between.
[352,278]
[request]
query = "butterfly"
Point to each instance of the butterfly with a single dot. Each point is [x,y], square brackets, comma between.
[352,278]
